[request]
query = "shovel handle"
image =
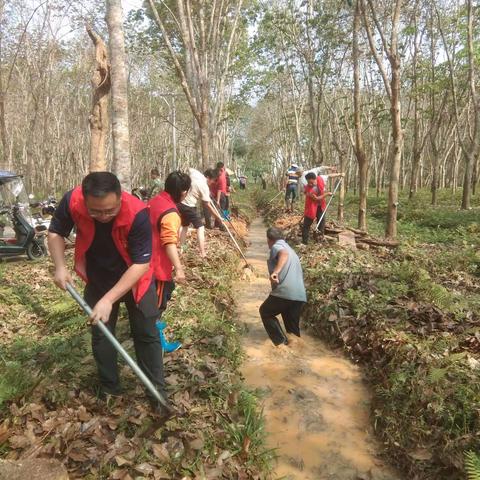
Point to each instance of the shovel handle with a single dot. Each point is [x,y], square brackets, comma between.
[329,202]
[140,374]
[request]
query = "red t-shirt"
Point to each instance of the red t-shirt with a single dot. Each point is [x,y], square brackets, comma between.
[222,181]
[213,189]
[311,205]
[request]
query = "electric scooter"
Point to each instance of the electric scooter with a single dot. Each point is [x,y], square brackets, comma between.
[18,235]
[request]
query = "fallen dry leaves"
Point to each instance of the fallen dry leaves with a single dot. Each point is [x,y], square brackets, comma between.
[122,439]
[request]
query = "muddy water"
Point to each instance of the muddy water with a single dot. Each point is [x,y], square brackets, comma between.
[315,402]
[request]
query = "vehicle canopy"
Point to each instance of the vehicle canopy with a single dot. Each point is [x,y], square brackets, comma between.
[6,177]
[13,193]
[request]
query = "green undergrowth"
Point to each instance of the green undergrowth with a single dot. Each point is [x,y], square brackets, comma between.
[410,316]
[45,359]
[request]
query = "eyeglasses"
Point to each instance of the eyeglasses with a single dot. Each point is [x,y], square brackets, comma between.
[103,213]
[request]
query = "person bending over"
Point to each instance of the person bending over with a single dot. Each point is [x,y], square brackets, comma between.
[288,291]
[112,255]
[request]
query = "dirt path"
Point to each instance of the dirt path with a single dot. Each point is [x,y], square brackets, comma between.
[315,403]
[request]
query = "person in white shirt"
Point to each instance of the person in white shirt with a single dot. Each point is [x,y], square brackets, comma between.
[325,172]
[188,209]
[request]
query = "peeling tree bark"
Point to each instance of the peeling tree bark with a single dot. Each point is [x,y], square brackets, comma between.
[99,115]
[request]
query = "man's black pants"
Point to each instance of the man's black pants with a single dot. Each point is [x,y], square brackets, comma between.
[307,223]
[290,312]
[146,341]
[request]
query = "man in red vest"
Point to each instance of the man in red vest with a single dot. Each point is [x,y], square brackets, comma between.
[112,255]
[166,222]
[315,204]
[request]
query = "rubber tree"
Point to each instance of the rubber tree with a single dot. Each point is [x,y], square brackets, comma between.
[392,84]
[469,141]
[121,141]
[201,39]
[362,159]
[98,119]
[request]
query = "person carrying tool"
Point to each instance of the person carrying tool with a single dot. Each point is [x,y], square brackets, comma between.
[322,206]
[166,222]
[315,204]
[325,171]
[291,185]
[112,255]
[288,291]
[187,208]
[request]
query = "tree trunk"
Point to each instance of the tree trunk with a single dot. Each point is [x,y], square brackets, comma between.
[3,127]
[99,116]
[397,134]
[204,141]
[3,123]
[467,180]
[121,141]
[434,185]
[362,159]
[341,190]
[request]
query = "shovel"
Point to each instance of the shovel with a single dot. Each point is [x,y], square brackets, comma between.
[247,265]
[146,381]
[226,217]
[271,200]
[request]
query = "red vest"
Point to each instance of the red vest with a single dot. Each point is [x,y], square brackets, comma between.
[159,206]
[121,227]
[321,189]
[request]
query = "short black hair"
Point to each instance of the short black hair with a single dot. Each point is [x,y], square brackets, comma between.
[154,171]
[310,176]
[220,164]
[274,233]
[212,173]
[100,184]
[177,183]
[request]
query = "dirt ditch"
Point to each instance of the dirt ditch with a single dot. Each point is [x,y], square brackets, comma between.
[316,405]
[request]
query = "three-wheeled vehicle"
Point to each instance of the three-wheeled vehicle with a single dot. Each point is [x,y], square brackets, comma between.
[18,235]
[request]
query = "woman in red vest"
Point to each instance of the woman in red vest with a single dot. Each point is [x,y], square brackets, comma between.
[112,255]
[166,222]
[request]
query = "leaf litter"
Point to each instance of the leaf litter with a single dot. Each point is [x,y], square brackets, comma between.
[61,417]
[411,317]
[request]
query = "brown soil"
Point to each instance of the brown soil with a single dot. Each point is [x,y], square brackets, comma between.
[316,405]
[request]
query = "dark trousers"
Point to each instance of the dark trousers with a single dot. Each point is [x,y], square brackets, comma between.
[290,312]
[148,349]
[210,221]
[307,223]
